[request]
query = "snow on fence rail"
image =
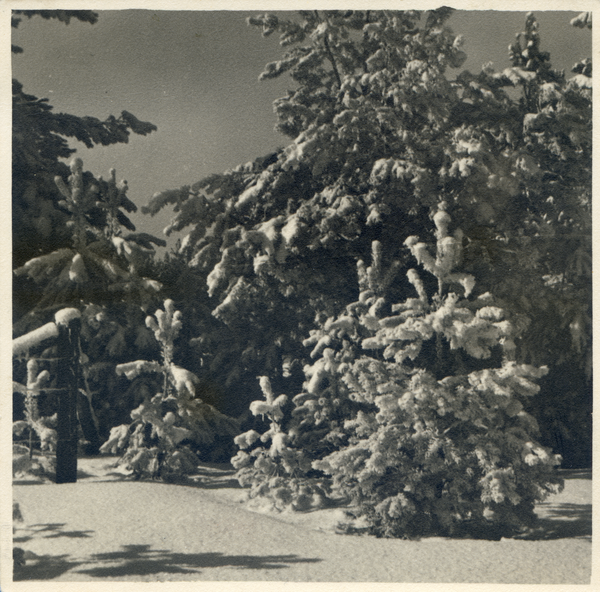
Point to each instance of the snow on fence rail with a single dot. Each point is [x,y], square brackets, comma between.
[50,330]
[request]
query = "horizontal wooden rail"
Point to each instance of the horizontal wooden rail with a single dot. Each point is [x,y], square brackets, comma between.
[32,339]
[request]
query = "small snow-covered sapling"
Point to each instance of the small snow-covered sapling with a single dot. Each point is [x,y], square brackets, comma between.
[170,427]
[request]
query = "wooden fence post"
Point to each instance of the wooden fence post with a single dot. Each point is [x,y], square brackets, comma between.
[67,381]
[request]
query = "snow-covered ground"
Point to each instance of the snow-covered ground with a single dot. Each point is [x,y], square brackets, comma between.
[105,527]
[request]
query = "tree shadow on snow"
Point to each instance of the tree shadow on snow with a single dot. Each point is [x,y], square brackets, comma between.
[560,521]
[211,476]
[210,483]
[54,528]
[44,567]
[207,476]
[141,560]
[555,521]
[576,474]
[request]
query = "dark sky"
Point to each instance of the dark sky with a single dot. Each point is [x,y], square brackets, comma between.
[195,76]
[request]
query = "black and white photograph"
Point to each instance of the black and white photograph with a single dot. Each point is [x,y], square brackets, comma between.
[298,295]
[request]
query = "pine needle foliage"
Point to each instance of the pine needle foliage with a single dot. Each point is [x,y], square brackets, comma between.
[102,273]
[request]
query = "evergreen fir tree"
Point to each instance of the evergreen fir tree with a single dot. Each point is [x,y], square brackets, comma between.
[379,423]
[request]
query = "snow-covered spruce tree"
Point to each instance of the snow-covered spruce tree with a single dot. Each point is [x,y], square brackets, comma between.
[377,133]
[40,143]
[171,427]
[42,225]
[101,261]
[101,274]
[378,422]
[522,164]
[273,239]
